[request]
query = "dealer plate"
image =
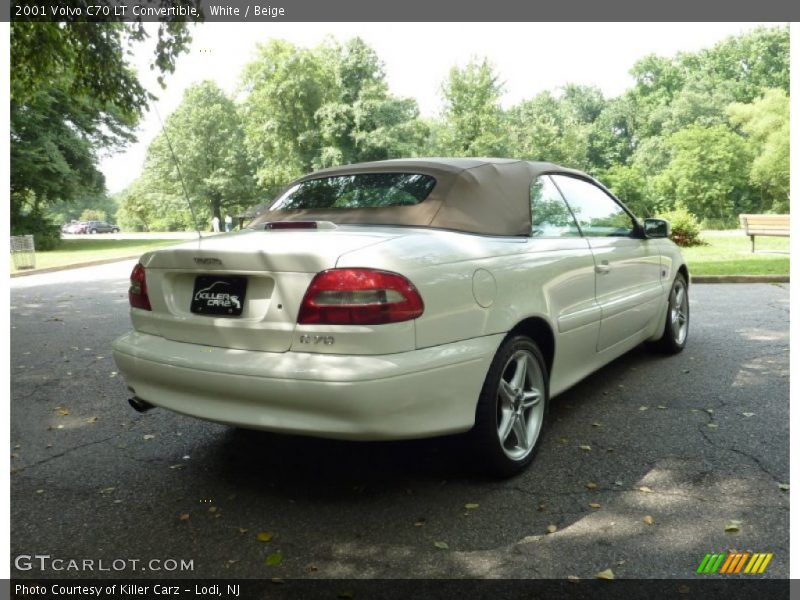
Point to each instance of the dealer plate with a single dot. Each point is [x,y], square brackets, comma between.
[218,296]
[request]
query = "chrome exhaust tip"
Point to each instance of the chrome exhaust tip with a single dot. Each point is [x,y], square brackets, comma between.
[139,405]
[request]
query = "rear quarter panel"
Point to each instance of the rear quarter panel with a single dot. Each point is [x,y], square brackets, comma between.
[478,285]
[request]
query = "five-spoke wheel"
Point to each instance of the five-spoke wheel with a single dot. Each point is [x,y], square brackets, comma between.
[676,328]
[511,408]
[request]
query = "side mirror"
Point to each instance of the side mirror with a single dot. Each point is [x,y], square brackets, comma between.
[656,228]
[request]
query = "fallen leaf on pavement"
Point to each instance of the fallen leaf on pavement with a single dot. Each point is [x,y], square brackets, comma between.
[92,419]
[471,505]
[441,545]
[552,529]
[594,505]
[784,487]
[591,485]
[748,414]
[148,436]
[264,536]
[274,559]
[733,526]
[648,520]
[585,447]
[645,490]
[607,574]
[184,517]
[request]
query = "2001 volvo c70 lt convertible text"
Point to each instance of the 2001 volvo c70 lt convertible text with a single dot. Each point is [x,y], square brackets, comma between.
[405,299]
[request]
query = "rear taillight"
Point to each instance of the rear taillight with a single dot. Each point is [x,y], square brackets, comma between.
[359,297]
[137,293]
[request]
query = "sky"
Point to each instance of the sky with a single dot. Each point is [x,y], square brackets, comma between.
[529,58]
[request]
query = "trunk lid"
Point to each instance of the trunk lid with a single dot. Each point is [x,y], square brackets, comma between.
[277,266]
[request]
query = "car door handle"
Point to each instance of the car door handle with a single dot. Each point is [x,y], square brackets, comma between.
[602,268]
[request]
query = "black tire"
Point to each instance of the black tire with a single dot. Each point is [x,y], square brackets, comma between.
[93,231]
[115,230]
[676,326]
[504,457]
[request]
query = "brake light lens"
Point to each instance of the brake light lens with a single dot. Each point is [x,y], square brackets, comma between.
[291,225]
[359,297]
[137,292]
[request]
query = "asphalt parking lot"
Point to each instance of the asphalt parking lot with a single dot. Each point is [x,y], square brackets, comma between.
[645,467]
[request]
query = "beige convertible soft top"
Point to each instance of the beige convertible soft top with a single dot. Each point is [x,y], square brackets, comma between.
[477,195]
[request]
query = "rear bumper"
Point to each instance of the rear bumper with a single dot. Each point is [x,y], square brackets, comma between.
[422,393]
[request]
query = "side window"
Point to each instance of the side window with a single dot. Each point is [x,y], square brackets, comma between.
[597,212]
[550,216]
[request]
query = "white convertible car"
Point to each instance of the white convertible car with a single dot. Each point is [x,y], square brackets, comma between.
[405,299]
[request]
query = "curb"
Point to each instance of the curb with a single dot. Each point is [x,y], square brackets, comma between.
[92,263]
[741,279]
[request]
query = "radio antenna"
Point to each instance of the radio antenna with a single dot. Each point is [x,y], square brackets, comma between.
[180,175]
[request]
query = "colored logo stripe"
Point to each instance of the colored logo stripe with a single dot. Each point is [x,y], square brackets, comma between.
[758,563]
[711,563]
[734,562]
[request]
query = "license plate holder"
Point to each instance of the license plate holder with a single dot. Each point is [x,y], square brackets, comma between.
[218,295]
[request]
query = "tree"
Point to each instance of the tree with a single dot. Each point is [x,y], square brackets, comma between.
[547,128]
[695,87]
[206,156]
[766,123]
[612,139]
[324,106]
[359,120]
[472,115]
[73,92]
[91,214]
[285,86]
[707,173]
[750,63]
[43,51]
[629,184]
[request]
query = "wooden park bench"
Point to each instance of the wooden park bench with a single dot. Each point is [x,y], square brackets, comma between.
[753,225]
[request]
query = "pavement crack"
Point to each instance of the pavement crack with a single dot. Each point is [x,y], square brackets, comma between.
[64,453]
[757,461]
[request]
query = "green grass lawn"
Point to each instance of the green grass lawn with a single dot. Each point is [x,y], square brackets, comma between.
[728,253]
[76,252]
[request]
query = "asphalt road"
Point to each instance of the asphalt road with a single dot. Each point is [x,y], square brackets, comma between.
[694,441]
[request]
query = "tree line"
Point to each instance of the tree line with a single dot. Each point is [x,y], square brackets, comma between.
[706,131]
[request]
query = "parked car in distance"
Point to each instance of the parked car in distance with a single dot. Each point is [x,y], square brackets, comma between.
[404,299]
[74,227]
[99,227]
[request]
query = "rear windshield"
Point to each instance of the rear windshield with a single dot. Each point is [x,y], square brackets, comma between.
[363,190]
